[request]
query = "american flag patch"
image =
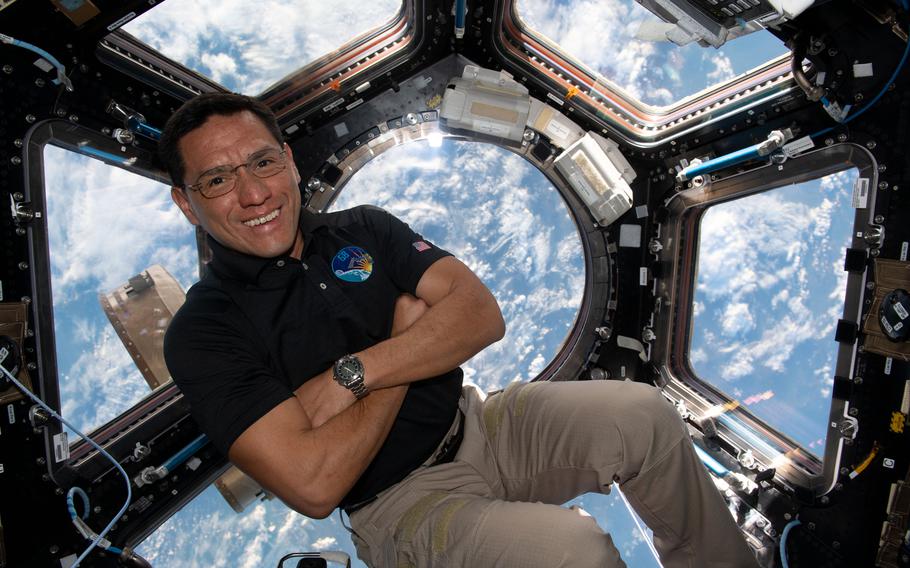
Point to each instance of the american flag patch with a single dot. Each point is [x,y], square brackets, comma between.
[421,246]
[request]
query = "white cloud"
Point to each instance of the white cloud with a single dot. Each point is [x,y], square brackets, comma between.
[722,67]
[104,222]
[737,319]
[324,543]
[248,49]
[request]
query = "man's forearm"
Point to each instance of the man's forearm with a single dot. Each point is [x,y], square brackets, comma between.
[464,320]
[330,458]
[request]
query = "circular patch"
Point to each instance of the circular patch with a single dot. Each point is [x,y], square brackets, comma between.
[352,264]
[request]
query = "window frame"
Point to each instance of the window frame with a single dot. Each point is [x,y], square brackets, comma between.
[603,102]
[159,409]
[674,317]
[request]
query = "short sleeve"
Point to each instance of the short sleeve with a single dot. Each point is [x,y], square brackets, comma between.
[408,254]
[218,367]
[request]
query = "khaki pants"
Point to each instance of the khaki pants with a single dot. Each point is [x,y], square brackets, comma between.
[533,447]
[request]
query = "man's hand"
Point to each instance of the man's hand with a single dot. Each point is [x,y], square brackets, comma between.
[322,397]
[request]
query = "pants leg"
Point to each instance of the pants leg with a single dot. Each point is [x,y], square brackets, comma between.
[420,525]
[554,441]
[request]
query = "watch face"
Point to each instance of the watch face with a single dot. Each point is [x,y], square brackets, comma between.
[348,368]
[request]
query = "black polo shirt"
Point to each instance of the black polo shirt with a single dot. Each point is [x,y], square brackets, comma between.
[255,329]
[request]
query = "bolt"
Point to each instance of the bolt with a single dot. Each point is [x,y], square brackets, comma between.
[853,412]
[838,486]
[74,118]
[883,185]
[858,97]
[857,380]
[598,374]
[824,500]
[23,265]
[829,141]
[844,471]
[39,82]
[647,334]
[17,142]
[870,285]
[31,366]
[841,137]
[16,160]
[54,549]
[20,231]
[787,516]
[8,69]
[871,144]
[882,167]
[61,112]
[879,219]
[771,532]
[41,461]
[602,332]
[832,52]
[30,118]
[18,196]
[874,252]
[97,509]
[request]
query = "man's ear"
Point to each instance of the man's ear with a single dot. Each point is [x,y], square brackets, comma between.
[290,157]
[183,202]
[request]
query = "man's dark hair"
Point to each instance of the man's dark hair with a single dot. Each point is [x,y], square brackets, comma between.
[193,114]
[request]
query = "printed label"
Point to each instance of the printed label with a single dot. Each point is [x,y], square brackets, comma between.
[904,246]
[901,312]
[798,146]
[899,326]
[61,447]
[557,130]
[1,468]
[886,325]
[3,353]
[860,193]
[11,413]
[558,100]
[121,21]
[354,104]
[334,104]
[888,362]
[643,276]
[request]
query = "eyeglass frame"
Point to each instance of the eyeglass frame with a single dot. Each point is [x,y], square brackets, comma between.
[197,187]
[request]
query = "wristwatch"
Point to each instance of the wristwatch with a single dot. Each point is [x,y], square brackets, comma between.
[348,372]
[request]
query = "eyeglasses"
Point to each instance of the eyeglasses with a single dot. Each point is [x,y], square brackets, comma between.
[221,180]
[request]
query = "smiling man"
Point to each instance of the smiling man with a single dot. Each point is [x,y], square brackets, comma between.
[320,353]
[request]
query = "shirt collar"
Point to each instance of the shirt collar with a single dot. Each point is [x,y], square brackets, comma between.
[229,263]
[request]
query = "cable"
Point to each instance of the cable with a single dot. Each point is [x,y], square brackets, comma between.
[129,491]
[875,99]
[783,541]
[641,529]
[61,70]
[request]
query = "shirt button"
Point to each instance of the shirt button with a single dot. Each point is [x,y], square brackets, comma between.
[322,285]
[280,263]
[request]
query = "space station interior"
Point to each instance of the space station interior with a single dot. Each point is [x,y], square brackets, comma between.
[639,179]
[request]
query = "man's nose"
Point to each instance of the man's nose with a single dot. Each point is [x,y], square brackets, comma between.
[250,189]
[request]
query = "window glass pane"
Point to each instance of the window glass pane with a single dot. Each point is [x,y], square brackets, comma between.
[770,290]
[105,225]
[601,35]
[501,216]
[247,46]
